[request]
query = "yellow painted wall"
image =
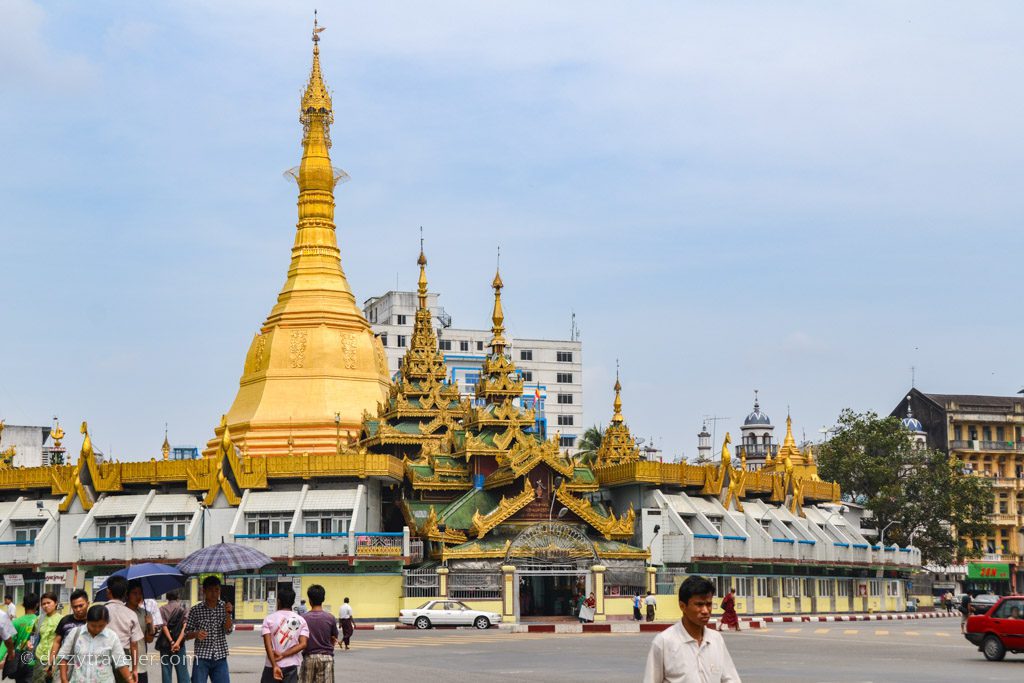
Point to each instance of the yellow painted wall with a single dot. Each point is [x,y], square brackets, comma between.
[824,604]
[842,604]
[787,605]
[805,604]
[741,605]
[875,604]
[763,605]
[371,596]
[622,606]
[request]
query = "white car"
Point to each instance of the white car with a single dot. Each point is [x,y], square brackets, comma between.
[447,613]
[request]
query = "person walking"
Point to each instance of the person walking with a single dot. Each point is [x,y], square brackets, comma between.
[92,654]
[209,623]
[10,607]
[171,642]
[651,603]
[318,657]
[136,603]
[729,616]
[637,601]
[7,634]
[43,636]
[689,651]
[79,601]
[965,611]
[347,623]
[285,635]
[947,601]
[23,627]
[124,621]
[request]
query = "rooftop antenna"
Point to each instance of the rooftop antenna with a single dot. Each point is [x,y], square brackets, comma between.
[714,419]
[912,377]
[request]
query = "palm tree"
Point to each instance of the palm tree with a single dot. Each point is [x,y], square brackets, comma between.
[590,443]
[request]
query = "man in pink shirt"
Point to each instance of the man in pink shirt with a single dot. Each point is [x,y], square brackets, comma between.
[284,638]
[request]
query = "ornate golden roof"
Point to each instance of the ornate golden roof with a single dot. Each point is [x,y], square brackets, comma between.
[498,377]
[617,444]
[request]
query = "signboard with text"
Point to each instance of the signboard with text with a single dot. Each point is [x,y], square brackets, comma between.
[55,578]
[14,580]
[988,570]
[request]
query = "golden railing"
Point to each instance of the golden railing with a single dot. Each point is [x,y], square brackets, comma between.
[359,465]
[641,471]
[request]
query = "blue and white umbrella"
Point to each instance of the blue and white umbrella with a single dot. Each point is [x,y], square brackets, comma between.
[156,579]
[223,558]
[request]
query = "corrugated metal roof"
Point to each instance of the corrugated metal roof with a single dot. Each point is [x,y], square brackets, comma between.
[272,501]
[120,506]
[330,499]
[173,504]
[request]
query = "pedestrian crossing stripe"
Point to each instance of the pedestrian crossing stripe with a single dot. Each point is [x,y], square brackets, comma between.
[850,632]
[822,631]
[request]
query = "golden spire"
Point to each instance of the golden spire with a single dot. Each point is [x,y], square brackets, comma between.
[422,284]
[617,404]
[497,317]
[165,449]
[316,99]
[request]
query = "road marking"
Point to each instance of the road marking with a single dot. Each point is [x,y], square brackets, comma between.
[794,630]
[822,631]
[881,632]
[850,632]
[911,633]
[941,634]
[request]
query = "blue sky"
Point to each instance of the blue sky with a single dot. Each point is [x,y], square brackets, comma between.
[803,198]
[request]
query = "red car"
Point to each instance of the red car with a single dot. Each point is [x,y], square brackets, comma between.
[999,629]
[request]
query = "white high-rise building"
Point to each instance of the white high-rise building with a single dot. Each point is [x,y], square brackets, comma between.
[552,369]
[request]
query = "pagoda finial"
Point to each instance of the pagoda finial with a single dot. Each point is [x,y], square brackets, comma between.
[789,441]
[165,449]
[617,404]
[56,433]
[497,316]
[316,100]
[422,285]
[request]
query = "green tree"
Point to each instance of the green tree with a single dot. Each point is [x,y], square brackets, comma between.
[912,493]
[589,444]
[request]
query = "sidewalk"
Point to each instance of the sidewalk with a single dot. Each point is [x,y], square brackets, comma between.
[655,626]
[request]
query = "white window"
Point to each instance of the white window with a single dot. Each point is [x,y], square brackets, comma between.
[526,355]
[565,399]
[564,420]
[808,588]
[567,441]
[564,356]
[113,527]
[383,339]
[825,588]
[721,584]
[254,589]
[764,587]
[790,587]
[168,527]
[445,344]
[843,588]
[479,346]
[267,523]
[527,375]
[399,319]
[26,533]
[744,586]
[893,589]
[874,588]
[327,522]
[564,378]
[401,341]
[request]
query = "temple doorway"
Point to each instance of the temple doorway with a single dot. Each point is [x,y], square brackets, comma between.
[550,595]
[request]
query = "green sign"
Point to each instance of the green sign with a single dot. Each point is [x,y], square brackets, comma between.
[988,570]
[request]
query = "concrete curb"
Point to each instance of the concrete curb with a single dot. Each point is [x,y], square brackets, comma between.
[825,618]
[619,627]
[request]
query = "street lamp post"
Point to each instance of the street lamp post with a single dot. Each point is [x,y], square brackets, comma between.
[56,520]
[881,534]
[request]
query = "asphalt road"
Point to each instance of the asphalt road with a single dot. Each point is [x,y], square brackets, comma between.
[927,650]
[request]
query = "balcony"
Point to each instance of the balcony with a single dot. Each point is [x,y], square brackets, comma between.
[380,545]
[19,552]
[109,549]
[999,446]
[274,545]
[146,548]
[1003,519]
[322,545]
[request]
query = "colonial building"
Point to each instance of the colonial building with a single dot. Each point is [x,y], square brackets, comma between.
[987,434]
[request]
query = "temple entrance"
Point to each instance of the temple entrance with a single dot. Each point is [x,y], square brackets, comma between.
[550,595]
[552,561]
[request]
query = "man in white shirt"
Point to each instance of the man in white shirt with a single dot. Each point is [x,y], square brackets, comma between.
[10,607]
[689,652]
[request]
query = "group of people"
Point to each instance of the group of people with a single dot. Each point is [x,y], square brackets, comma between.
[108,642]
[648,601]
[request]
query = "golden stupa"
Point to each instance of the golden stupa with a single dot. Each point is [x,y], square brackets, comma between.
[315,365]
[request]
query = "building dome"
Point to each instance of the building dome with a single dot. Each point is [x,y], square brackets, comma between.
[757,418]
[910,422]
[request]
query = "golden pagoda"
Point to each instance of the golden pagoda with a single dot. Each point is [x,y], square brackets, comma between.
[315,366]
[617,444]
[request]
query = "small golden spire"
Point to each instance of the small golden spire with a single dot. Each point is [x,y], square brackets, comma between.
[617,404]
[422,284]
[316,99]
[789,440]
[166,448]
[497,316]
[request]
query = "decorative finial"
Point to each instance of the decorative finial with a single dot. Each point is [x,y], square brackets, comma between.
[317,29]
[316,100]
[56,433]
[165,449]
[422,284]
[757,406]
[617,404]
[497,316]
[909,411]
